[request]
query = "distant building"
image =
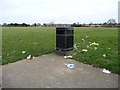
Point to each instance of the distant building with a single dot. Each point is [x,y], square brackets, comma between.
[95,25]
[63,25]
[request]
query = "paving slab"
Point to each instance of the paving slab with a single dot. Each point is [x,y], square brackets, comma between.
[0,77]
[49,71]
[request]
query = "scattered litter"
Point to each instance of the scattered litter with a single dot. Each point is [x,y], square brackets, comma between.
[52,59]
[75,46]
[23,52]
[8,54]
[108,48]
[44,55]
[33,57]
[13,52]
[78,43]
[80,69]
[95,44]
[83,39]
[88,46]
[87,36]
[106,71]
[30,57]
[67,56]
[96,48]
[71,66]
[84,50]
[104,55]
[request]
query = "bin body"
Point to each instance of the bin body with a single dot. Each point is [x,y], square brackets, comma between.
[64,40]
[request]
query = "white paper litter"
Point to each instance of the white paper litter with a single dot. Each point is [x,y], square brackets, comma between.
[106,71]
[23,52]
[104,55]
[94,43]
[33,57]
[75,46]
[96,48]
[88,46]
[29,57]
[84,50]
[83,39]
[67,56]
[87,36]
[71,66]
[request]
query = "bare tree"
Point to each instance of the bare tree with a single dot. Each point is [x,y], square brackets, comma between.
[111,21]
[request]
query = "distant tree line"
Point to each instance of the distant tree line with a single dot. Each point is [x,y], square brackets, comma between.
[109,23]
[96,25]
[15,25]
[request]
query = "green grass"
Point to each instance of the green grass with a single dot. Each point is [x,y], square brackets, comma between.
[40,40]
[107,38]
[35,41]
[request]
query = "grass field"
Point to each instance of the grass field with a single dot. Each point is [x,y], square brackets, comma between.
[41,40]
[35,41]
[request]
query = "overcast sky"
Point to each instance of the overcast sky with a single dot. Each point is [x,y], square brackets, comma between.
[58,11]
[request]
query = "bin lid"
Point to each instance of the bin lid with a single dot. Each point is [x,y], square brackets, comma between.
[64,28]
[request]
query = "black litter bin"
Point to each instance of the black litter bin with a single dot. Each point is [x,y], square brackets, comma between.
[64,40]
